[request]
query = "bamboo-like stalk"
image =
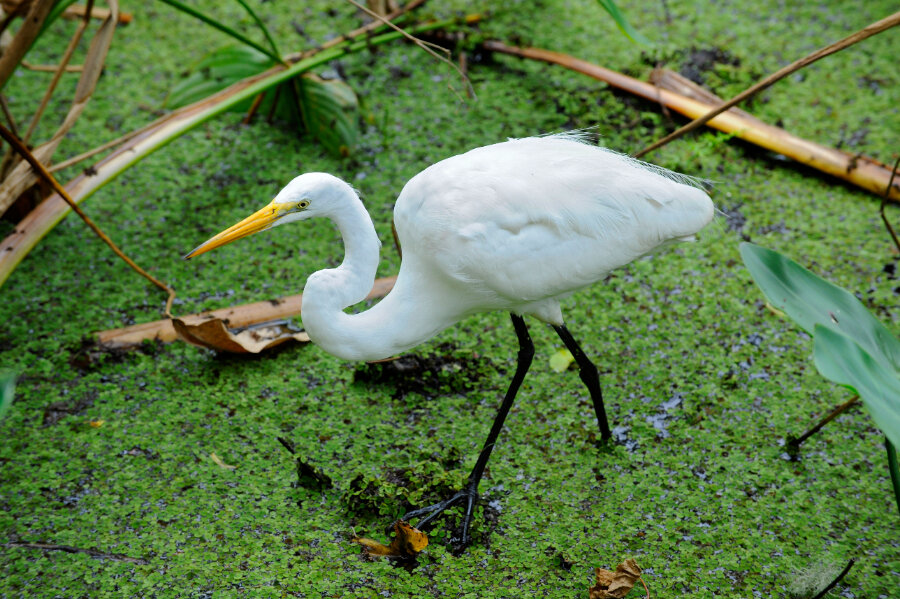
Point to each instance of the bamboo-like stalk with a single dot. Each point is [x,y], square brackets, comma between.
[864,33]
[236,316]
[862,171]
[161,132]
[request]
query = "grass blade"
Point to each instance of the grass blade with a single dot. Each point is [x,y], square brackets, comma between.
[216,71]
[895,469]
[221,27]
[622,23]
[7,390]
[261,26]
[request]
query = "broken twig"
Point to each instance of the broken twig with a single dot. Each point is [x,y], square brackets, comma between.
[884,200]
[793,444]
[92,551]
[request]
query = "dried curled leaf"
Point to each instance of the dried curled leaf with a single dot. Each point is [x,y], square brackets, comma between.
[407,542]
[616,584]
[214,334]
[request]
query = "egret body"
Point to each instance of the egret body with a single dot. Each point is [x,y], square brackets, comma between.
[514,226]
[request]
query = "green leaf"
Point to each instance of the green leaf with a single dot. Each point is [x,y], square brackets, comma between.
[561,359]
[839,359]
[7,390]
[624,26]
[330,112]
[811,300]
[216,71]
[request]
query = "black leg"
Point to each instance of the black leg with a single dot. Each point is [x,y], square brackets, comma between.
[469,495]
[589,376]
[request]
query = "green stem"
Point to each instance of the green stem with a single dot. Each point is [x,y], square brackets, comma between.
[895,469]
[223,28]
[262,28]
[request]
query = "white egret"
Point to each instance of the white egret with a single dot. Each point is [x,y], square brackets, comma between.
[514,226]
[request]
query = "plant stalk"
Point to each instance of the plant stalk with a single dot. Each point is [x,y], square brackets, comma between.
[821,594]
[794,444]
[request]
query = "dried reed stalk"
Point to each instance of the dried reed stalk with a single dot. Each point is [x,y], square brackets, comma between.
[22,176]
[862,171]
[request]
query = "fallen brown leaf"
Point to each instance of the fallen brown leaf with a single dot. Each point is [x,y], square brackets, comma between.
[615,585]
[407,542]
[214,334]
[244,315]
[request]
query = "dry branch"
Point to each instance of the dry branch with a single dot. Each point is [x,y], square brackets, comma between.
[862,171]
[101,14]
[92,551]
[51,68]
[236,316]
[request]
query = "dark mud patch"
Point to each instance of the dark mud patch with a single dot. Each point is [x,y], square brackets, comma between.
[447,371]
[58,410]
[698,61]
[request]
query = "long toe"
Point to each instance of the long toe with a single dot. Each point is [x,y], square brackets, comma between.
[467,498]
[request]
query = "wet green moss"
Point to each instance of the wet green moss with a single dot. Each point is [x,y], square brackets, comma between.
[704,382]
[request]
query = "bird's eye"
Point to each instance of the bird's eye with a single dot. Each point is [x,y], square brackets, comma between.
[302,204]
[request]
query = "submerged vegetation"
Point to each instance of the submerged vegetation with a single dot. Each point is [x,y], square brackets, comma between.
[161,470]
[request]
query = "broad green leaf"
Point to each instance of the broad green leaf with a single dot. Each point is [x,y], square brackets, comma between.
[561,359]
[330,113]
[7,389]
[622,23]
[811,300]
[216,71]
[843,361]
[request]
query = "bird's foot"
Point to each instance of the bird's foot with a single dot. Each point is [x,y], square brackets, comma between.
[467,498]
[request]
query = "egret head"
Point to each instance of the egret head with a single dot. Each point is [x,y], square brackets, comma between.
[307,196]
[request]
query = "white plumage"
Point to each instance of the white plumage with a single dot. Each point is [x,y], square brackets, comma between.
[514,226]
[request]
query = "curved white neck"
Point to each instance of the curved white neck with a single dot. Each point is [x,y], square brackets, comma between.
[398,322]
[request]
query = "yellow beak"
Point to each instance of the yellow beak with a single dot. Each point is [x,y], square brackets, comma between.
[256,222]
